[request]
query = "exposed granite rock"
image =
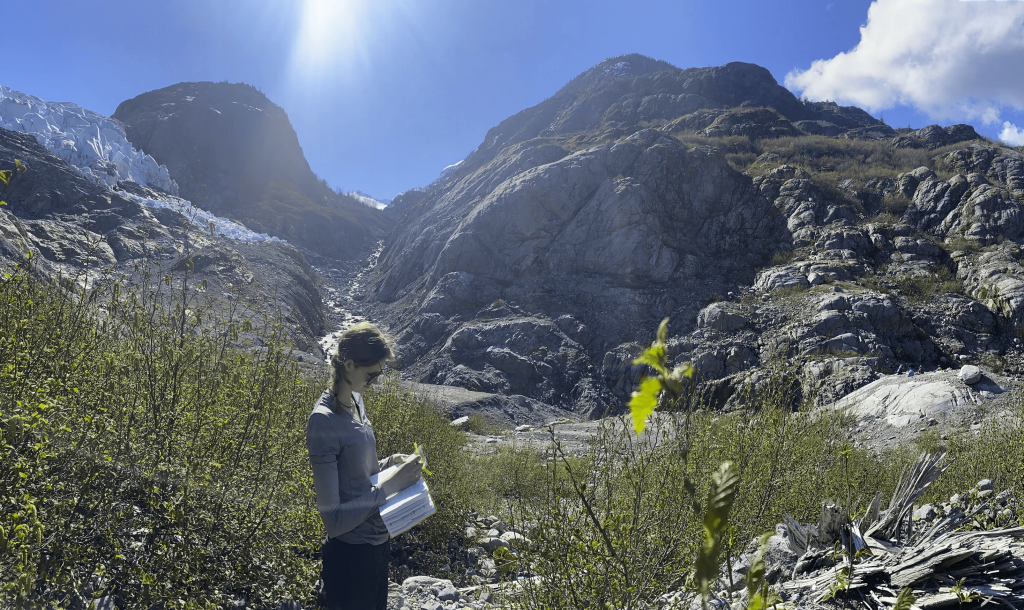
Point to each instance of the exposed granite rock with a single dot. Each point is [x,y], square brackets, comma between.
[585,239]
[716,317]
[934,136]
[995,278]
[754,123]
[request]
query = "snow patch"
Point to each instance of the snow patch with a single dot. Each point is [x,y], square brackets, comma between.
[446,173]
[619,69]
[202,219]
[92,144]
[373,202]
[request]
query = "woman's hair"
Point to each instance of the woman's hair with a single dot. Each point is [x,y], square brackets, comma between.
[363,344]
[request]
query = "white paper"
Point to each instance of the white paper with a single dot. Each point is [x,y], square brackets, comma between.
[407,507]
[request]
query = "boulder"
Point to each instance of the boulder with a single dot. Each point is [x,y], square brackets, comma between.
[490,544]
[924,513]
[448,593]
[779,558]
[716,317]
[516,540]
[788,276]
[901,401]
[970,374]
[424,582]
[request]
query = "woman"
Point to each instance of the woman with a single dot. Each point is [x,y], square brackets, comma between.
[343,454]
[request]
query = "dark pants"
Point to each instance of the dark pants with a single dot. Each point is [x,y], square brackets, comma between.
[355,575]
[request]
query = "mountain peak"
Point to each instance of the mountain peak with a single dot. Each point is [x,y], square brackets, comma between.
[623,66]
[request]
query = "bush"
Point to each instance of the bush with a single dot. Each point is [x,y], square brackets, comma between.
[147,457]
[400,418]
[918,289]
[623,524]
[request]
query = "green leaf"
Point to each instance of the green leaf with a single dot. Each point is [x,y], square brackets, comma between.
[771,598]
[905,599]
[643,402]
[5,175]
[655,357]
[755,576]
[663,331]
[721,496]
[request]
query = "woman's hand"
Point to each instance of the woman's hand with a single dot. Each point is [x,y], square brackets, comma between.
[397,459]
[405,475]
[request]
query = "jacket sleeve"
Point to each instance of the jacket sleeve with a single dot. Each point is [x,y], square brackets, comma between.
[324,449]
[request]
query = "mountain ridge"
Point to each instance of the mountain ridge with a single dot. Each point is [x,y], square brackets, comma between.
[540,263]
[233,151]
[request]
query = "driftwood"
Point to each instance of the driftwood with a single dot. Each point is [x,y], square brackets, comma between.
[943,565]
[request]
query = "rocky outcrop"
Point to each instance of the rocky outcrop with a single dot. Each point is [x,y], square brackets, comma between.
[234,152]
[77,228]
[524,272]
[539,264]
[934,136]
[619,95]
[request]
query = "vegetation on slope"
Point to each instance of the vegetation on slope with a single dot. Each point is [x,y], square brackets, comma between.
[147,458]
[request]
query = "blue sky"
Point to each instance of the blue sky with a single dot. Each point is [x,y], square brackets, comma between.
[385,93]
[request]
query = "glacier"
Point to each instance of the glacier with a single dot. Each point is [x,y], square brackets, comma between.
[96,147]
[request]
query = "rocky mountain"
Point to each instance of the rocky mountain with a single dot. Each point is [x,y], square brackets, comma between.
[101,206]
[764,226]
[234,152]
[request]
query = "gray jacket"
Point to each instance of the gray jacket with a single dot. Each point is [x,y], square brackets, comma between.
[343,455]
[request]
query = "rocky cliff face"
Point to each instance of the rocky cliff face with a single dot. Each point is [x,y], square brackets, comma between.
[77,228]
[539,264]
[234,152]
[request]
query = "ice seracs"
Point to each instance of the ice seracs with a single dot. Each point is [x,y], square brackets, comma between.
[204,220]
[97,148]
[87,141]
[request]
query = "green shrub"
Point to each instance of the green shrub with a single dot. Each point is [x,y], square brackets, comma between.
[960,243]
[895,204]
[627,527]
[511,474]
[918,289]
[158,459]
[400,418]
[481,424]
[782,257]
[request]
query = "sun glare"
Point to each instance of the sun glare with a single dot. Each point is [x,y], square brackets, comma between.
[328,37]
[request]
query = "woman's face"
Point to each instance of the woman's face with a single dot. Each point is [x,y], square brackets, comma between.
[363,376]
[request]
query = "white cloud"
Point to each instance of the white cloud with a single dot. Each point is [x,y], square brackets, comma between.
[1011,134]
[951,59]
